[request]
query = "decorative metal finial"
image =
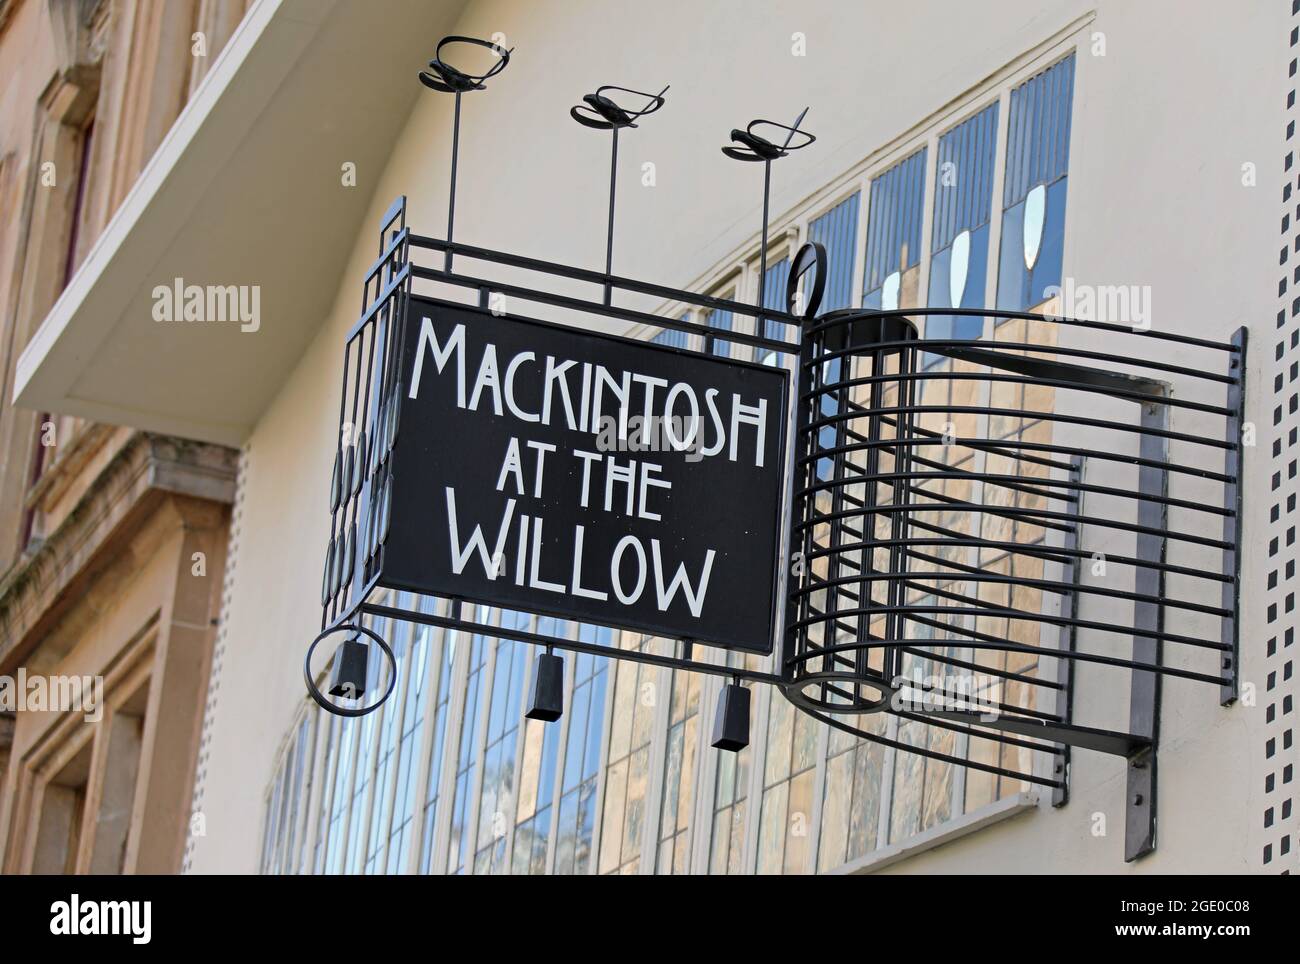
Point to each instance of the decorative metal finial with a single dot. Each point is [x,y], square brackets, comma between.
[755,147]
[603,113]
[448,79]
[445,78]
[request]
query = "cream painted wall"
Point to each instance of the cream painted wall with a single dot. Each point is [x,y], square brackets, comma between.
[1163,122]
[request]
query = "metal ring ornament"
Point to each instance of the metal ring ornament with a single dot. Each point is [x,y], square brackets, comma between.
[756,147]
[810,257]
[603,113]
[795,693]
[320,697]
[443,77]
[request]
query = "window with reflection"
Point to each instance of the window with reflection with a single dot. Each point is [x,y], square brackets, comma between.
[922,788]
[269,827]
[851,805]
[537,773]
[284,809]
[361,786]
[390,732]
[460,849]
[679,775]
[333,727]
[959,242]
[731,791]
[628,771]
[402,826]
[505,710]
[340,794]
[577,816]
[349,796]
[837,231]
[785,820]
[368,750]
[445,658]
[1033,195]
[892,273]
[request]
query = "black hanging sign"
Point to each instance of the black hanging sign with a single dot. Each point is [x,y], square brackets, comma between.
[550,469]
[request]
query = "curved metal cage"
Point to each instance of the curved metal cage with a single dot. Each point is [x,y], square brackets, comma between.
[975,518]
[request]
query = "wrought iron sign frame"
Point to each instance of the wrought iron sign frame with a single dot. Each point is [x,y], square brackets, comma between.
[884,569]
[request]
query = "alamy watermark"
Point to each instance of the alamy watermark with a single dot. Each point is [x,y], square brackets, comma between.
[655,433]
[1115,304]
[128,918]
[964,692]
[209,303]
[53,694]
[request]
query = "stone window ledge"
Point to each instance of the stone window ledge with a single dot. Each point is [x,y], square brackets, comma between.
[947,832]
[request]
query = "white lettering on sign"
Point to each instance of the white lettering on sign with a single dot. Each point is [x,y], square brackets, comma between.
[597,389]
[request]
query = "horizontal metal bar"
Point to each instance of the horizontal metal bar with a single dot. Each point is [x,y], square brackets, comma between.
[1075,375]
[991,611]
[1020,483]
[929,344]
[827,420]
[1005,646]
[861,512]
[576,646]
[837,688]
[1035,549]
[948,375]
[1086,737]
[1074,621]
[1005,512]
[986,670]
[608,311]
[602,279]
[957,696]
[974,574]
[975,443]
[1030,485]
[993,446]
[959,636]
[869,313]
[830,720]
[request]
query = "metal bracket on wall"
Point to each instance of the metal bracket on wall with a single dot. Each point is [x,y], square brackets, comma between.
[1148,614]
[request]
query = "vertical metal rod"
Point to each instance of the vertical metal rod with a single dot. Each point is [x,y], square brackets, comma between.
[451,200]
[609,237]
[795,642]
[762,249]
[1066,642]
[871,500]
[842,372]
[1232,463]
[901,522]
